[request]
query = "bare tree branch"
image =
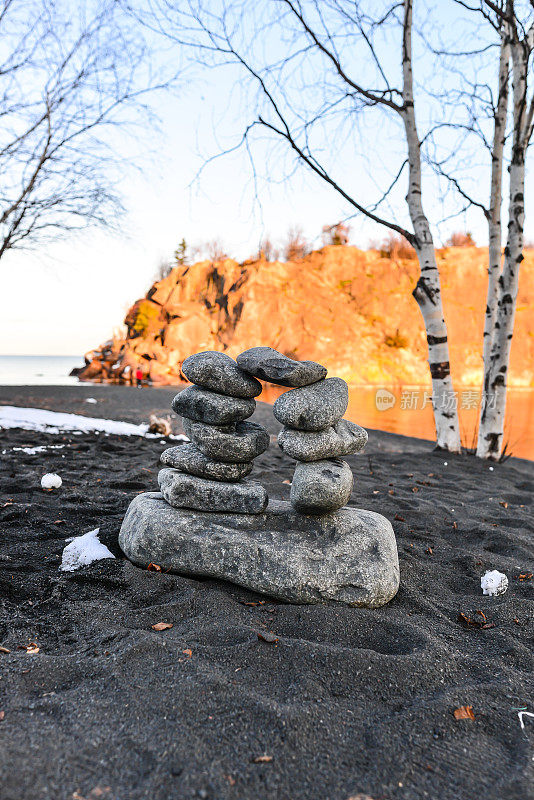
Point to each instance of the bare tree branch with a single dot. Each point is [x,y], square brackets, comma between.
[70,76]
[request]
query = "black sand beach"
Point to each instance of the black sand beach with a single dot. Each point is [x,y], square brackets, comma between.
[346,703]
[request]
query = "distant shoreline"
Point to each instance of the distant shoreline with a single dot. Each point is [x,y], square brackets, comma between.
[129,404]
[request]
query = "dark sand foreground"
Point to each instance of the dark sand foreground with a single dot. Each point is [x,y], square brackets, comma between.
[346,703]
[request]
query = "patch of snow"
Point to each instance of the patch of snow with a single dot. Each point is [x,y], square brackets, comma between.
[38,419]
[51,481]
[494,583]
[42,448]
[83,550]
[91,400]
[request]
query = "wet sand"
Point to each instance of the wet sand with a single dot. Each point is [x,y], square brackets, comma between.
[345,702]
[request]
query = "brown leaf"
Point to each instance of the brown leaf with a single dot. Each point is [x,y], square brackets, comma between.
[9,503]
[464,712]
[267,636]
[503,503]
[288,482]
[2,715]
[162,626]
[429,551]
[4,650]
[154,567]
[262,760]
[252,603]
[480,622]
[360,797]
[399,518]
[30,648]
[188,652]
[455,526]
[95,794]
[525,576]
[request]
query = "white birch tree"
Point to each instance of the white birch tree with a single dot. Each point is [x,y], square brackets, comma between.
[518,40]
[511,123]
[315,33]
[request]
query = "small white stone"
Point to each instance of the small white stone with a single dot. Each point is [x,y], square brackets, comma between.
[494,582]
[50,481]
[491,469]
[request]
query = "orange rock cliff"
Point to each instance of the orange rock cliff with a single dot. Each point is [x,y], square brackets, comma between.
[349,309]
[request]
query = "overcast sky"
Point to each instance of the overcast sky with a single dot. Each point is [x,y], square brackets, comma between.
[69,297]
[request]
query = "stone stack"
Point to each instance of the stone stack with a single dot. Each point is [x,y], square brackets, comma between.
[208,520]
[209,473]
[314,432]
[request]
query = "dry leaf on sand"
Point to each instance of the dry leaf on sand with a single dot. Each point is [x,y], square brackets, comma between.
[464,712]
[267,636]
[162,626]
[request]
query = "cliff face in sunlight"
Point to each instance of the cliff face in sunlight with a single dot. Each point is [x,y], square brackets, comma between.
[348,309]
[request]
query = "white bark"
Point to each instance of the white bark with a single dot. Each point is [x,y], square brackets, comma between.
[427,292]
[494,231]
[491,429]
[494,214]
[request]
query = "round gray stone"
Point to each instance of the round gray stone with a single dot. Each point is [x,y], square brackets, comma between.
[342,439]
[234,443]
[220,373]
[315,407]
[189,491]
[349,556]
[274,367]
[202,405]
[188,458]
[321,486]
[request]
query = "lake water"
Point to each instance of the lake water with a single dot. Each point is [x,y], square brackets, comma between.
[35,370]
[405,410]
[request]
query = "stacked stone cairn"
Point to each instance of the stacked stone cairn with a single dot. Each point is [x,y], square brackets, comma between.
[314,433]
[208,519]
[208,474]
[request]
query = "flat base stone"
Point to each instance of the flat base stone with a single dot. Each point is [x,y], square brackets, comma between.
[348,556]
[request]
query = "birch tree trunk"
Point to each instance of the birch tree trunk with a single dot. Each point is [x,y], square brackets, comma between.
[494,233]
[427,292]
[494,214]
[491,429]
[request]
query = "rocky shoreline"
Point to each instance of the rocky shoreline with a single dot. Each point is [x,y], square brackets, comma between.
[361,301]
